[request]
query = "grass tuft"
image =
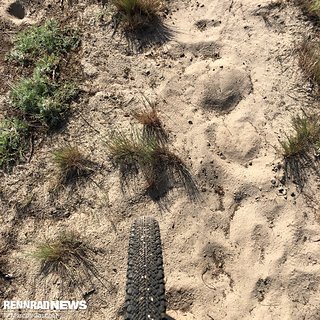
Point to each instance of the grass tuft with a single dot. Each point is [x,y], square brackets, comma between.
[306,135]
[300,148]
[152,125]
[48,39]
[13,141]
[311,7]
[68,257]
[309,59]
[131,153]
[134,154]
[136,14]
[71,164]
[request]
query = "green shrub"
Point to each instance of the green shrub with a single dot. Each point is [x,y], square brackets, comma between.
[42,101]
[46,65]
[13,135]
[48,38]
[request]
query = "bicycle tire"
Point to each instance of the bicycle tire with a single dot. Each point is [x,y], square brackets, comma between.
[145,290]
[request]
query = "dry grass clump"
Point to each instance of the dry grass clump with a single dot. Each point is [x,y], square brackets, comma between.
[68,257]
[136,14]
[131,153]
[306,135]
[312,7]
[152,125]
[309,59]
[301,148]
[162,170]
[71,164]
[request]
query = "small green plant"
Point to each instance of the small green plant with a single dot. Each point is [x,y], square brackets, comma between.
[13,141]
[152,125]
[48,39]
[71,163]
[135,14]
[68,257]
[134,154]
[42,101]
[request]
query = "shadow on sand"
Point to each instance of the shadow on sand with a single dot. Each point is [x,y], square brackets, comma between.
[155,32]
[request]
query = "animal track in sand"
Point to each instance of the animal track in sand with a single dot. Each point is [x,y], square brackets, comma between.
[301,286]
[180,299]
[261,288]
[225,89]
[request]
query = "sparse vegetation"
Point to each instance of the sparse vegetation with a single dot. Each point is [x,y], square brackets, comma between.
[152,125]
[47,39]
[71,163]
[306,135]
[46,65]
[309,58]
[68,257]
[135,14]
[301,147]
[312,7]
[13,141]
[131,153]
[162,169]
[42,101]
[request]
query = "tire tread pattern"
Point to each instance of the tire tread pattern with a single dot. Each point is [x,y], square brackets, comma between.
[145,290]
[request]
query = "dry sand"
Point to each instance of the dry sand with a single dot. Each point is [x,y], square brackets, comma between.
[227,82]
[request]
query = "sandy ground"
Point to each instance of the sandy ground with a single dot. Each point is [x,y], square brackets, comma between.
[227,83]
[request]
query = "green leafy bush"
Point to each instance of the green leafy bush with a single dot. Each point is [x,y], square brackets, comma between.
[48,38]
[42,101]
